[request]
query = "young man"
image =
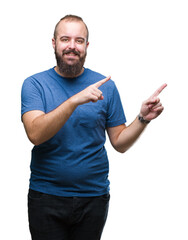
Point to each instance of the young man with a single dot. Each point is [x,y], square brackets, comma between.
[66,111]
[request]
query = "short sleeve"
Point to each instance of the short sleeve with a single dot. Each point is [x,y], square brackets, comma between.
[31,97]
[115,114]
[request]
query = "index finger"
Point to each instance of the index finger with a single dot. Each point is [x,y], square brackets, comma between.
[101,82]
[159,90]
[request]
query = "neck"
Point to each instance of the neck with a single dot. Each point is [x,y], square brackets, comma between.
[66,75]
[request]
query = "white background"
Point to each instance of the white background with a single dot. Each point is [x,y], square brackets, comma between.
[141,44]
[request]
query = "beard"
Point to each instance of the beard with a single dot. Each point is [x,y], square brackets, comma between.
[70,70]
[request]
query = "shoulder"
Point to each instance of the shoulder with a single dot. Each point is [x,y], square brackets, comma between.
[37,78]
[40,75]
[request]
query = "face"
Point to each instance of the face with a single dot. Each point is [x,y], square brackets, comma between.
[70,47]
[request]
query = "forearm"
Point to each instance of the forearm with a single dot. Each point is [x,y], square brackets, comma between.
[129,135]
[47,125]
[40,127]
[122,137]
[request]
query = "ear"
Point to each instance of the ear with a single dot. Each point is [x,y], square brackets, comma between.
[53,43]
[87,44]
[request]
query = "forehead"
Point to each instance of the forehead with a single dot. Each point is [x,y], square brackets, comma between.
[72,29]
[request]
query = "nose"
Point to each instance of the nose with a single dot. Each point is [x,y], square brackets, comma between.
[72,44]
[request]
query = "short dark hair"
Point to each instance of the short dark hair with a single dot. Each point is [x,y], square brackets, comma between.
[71,18]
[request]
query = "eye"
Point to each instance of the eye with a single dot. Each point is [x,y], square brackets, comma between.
[64,40]
[80,41]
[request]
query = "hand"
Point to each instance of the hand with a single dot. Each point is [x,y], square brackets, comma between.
[152,107]
[91,93]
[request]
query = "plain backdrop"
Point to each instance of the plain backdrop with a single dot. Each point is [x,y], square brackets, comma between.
[141,44]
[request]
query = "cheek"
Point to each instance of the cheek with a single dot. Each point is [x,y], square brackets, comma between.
[60,47]
[82,50]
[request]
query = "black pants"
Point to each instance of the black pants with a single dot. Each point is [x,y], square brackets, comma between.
[66,218]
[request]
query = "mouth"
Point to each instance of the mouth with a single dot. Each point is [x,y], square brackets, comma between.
[71,53]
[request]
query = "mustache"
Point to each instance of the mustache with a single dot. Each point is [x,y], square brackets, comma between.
[71,51]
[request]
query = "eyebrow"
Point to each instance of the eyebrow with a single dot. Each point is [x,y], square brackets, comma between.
[64,37]
[76,37]
[81,38]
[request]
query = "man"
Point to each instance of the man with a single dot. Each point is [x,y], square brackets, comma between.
[66,111]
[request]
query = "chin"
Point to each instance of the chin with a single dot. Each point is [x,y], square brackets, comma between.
[70,61]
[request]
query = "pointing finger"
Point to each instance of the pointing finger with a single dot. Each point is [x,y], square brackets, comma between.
[101,82]
[159,90]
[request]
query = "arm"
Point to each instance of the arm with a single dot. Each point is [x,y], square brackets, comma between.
[122,137]
[41,126]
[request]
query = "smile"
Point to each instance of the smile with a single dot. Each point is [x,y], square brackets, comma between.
[71,53]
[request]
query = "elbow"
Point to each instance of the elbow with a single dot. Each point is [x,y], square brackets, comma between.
[34,139]
[120,149]
[34,132]
[35,142]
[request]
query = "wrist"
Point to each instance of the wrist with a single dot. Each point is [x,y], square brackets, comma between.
[73,101]
[142,120]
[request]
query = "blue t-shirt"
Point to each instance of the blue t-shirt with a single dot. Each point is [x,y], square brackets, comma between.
[74,162]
